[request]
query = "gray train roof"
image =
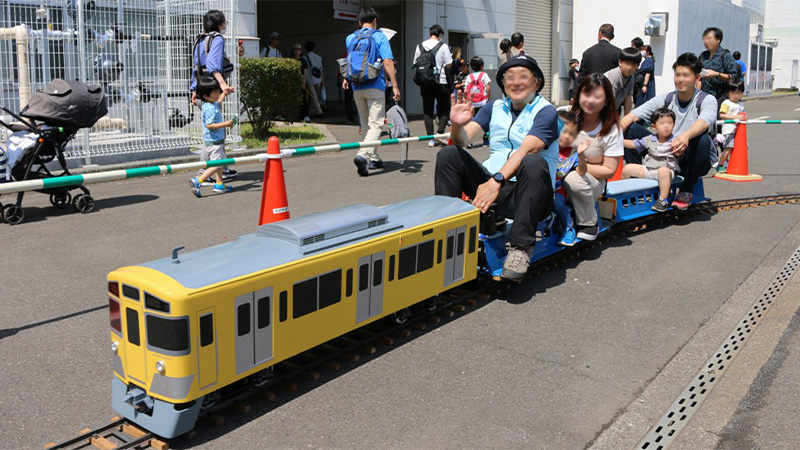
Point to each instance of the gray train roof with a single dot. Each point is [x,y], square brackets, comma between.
[294,239]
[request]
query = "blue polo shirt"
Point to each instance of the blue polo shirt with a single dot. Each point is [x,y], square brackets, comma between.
[384,52]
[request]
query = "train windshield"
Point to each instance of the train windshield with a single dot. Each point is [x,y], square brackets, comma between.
[168,335]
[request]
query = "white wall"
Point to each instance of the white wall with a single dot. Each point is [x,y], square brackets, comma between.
[782,21]
[565,47]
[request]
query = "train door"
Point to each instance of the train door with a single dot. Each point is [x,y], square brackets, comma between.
[369,301]
[135,354]
[454,255]
[207,365]
[253,314]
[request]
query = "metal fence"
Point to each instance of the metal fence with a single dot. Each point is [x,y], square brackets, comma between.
[138,50]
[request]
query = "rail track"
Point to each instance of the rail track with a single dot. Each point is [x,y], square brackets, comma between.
[383,335]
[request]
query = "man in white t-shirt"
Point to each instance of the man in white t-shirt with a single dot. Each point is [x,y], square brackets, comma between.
[271,50]
[315,80]
[438,93]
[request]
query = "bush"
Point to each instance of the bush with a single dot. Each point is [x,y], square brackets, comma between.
[269,88]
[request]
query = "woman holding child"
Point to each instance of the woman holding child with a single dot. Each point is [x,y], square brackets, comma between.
[600,149]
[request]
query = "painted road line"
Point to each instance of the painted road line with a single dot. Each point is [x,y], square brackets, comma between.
[762,117]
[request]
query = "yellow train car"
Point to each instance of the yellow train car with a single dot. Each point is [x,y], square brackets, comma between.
[187,326]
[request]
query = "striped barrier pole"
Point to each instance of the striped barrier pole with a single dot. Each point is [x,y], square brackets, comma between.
[762,122]
[123,174]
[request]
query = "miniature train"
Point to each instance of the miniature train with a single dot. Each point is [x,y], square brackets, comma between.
[183,328]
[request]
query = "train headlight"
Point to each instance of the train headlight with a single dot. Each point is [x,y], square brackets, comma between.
[160,367]
[114,346]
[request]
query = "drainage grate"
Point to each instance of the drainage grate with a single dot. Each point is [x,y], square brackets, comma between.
[678,415]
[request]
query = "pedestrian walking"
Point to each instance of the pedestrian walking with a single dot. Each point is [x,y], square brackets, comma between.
[603,56]
[212,95]
[432,59]
[315,79]
[271,50]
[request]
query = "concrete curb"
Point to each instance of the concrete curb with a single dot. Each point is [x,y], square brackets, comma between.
[771,96]
[329,139]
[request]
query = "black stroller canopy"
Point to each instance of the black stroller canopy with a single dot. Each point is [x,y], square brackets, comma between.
[67,104]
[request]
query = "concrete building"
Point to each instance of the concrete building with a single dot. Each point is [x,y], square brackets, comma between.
[782,27]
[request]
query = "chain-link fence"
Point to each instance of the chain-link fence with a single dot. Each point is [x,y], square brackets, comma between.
[138,50]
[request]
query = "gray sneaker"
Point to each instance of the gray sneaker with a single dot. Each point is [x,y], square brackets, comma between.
[517,262]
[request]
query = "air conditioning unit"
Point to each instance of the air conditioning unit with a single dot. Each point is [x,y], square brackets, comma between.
[656,24]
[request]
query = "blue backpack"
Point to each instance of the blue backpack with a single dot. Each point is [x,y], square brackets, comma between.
[361,65]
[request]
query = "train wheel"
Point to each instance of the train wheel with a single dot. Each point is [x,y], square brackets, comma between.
[265,376]
[83,203]
[61,200]
[13,214]
[433,303]
[402,316]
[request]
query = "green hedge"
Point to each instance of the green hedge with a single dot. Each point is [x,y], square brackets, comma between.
[269,88]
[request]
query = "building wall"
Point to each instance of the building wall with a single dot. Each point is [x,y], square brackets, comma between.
[697,15]
[565,48]
[782,22]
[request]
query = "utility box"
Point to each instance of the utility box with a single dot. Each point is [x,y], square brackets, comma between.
[656,24]
[786,78]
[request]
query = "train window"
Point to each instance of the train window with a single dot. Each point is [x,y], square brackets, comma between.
[391,268]
[349,283]
[439,252]
[424,256]
[113,287]
[284,304]
[263,312]
[449,247]
[132,320]
[243,319]
[330,288]
[377,272]
[304,298]
[363,277]
[156,304]
[168,334]
[460,250]
[114,314]
[472,239]
[408,262]
[206,330]
[130,292]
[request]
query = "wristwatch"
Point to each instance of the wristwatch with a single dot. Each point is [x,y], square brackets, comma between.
[500,178]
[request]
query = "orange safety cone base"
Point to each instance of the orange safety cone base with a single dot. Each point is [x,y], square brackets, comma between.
[739,178]
[738,168]
[274,201]
[618,174]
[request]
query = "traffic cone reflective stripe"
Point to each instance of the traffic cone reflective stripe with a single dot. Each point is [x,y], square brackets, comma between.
[738,167]
[274,202]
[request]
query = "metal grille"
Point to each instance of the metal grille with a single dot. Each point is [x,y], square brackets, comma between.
[679,414]
[138,50]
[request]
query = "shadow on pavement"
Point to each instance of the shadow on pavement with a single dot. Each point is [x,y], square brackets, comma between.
[35,214]
[12,331]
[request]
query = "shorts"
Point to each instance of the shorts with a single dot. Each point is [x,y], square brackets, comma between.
[727,140]
[213,152]
[652,174]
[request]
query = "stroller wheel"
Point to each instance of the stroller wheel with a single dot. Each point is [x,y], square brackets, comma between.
[13,214]
[83,203]
[61,200]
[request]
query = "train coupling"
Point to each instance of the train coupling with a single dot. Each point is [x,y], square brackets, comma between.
[138,399]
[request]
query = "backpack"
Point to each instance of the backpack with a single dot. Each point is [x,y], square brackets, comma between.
[199,70]
[476,87]
[426,72]
[361,64]
[398,122]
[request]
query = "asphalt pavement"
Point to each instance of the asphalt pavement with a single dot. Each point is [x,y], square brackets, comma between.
[561,361]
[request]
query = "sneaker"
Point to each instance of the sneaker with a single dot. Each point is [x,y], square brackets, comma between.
[660,205]
[306,119]
[569,238]
[588,233]
[516,264]
[682,201]
[361,166]
[722,170]
[378,164]
[431,143]
[229,173]
[195,183]
[222,188]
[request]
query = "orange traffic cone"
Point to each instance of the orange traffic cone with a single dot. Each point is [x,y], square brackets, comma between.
[738,169]
[618,174]
[274,203]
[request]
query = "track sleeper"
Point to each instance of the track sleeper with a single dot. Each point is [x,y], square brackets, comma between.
[102,443]
[368,349]
[132,431]
[191,434]
[332,365]
[158,444]
[241,407]
[434,319]
[446,314]
[457,307]
[215,419]
[290,386]
[352,357]
[265,395]
[403,332]
[419,326]
[386,340]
